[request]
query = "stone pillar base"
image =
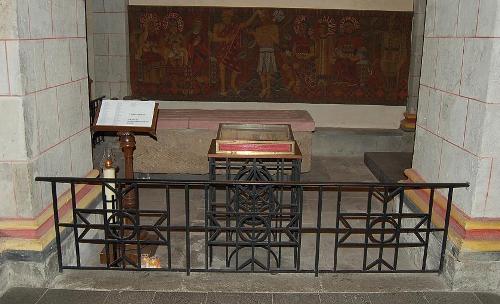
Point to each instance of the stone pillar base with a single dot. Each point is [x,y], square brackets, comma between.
[35,273]
[480,271]
[409,123]
[472,260]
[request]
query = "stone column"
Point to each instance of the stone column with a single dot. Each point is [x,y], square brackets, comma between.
[45,131]
[457,137]
[417,43]
[108,36]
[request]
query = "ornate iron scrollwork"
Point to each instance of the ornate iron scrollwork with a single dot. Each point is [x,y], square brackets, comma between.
[122,225]
[258,217]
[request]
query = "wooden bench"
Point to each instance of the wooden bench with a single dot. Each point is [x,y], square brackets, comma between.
[184,136]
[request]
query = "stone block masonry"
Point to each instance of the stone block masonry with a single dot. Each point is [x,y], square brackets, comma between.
[457,123]
[108,47]
[417,41]
[45,129]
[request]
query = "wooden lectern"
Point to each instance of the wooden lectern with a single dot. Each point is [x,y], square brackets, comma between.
[118,117]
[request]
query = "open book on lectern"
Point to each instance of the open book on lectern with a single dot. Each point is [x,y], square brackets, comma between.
[127,115]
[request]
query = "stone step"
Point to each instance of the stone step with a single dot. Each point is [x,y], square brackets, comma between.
[59,296]
[388,167]
[355,142]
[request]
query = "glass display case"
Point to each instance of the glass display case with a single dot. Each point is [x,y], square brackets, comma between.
[254,139]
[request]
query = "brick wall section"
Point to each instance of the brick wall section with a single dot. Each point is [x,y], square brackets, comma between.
[457,137]
[43,100]
[108,47]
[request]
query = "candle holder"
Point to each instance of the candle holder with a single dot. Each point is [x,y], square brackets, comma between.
[108,158]
[148,261]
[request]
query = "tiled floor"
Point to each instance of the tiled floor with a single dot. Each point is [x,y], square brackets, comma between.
[63,296]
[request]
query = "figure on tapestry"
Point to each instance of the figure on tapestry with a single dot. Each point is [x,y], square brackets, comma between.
[393,57]
[350,57]
[324,47]
[228,35]
[267,38]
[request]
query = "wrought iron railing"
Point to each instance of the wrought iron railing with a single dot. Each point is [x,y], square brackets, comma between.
[233,226]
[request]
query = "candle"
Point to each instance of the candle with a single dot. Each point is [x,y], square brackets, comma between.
[109,172]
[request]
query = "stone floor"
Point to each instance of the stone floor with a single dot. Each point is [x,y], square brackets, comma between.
[62,296]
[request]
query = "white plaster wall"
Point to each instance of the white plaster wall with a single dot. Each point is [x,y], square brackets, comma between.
[389,5]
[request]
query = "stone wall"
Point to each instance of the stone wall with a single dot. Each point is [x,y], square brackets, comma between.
[43,101]
[459,105]
[457,122]
[417,43]
[108,47]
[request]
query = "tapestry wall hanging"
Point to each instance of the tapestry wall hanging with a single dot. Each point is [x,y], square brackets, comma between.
[269,54]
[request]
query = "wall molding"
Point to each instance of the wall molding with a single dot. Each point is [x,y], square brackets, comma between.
[385,5]
[468,234]
[37,233]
